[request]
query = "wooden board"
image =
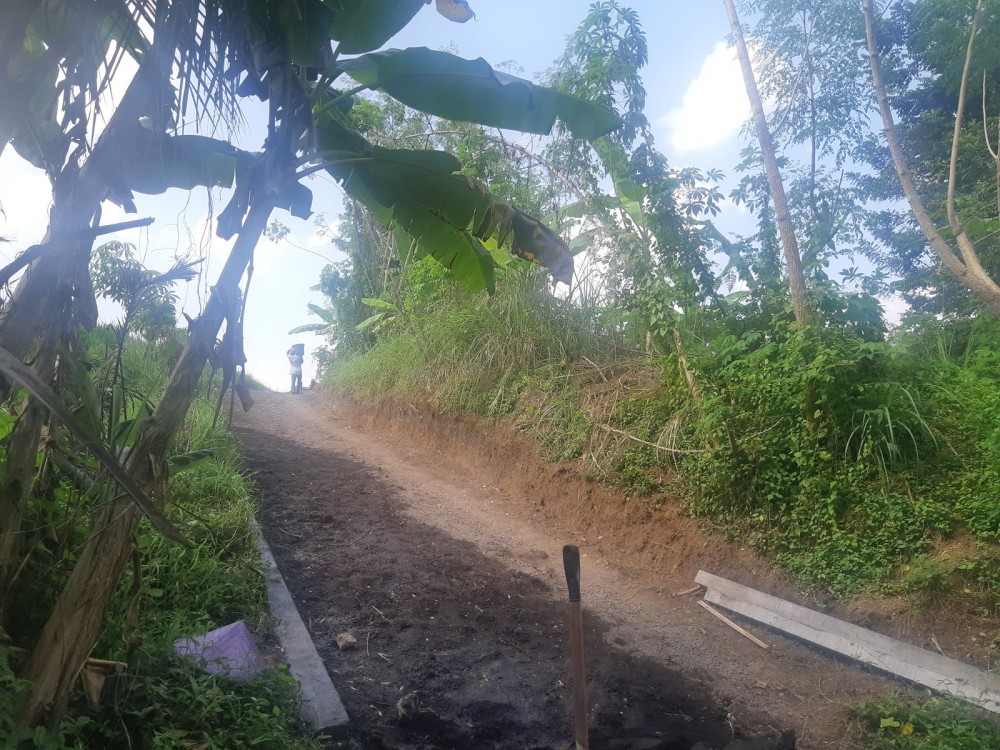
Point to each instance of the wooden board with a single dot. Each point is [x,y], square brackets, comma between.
[902,659]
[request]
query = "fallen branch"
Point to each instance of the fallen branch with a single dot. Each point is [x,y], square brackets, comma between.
[599,371]
[609,428]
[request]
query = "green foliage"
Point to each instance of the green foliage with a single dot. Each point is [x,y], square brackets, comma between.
[12,690]
[173,705]
[656,420]
[936,724]
[183,591]
[169,591]
[826,493]
[324,328]
[467,352]
[923,49]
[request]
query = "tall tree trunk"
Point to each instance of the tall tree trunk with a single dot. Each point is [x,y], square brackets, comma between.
[967,268]
[78,616]
[783,217]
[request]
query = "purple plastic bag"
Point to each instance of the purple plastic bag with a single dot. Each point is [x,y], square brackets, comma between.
[228,651]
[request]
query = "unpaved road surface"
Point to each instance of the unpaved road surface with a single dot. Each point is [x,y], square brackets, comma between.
[453,587]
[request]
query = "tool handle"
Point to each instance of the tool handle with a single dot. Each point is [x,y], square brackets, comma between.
[578,672]
[571,564]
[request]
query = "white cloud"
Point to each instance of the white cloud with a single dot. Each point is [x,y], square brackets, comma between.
[715,104]
[894,308]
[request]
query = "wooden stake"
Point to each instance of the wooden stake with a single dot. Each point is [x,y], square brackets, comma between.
[692,590]
[571,564]
[732,624]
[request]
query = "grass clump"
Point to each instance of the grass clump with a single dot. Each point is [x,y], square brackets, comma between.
[936,724]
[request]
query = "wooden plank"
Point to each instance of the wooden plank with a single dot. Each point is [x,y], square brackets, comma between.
[905,660]
[742,631]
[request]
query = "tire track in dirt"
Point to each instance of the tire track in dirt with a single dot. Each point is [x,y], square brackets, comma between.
[455,595]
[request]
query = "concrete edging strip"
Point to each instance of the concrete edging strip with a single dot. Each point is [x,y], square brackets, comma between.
[321,707]
[936,671]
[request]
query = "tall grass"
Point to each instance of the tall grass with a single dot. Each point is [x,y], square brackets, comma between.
[474,352]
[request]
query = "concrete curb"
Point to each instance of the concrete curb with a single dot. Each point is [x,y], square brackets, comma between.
[321,708]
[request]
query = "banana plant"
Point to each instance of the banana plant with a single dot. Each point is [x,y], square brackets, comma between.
[321,329]
[381,321]
[16,370]
[419,194]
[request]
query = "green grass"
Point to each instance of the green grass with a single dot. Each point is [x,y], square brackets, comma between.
[470,353]
[190,590]
[936,724]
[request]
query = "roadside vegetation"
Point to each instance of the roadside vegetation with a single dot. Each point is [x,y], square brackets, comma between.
[846,450]
[936,724]
[155,698]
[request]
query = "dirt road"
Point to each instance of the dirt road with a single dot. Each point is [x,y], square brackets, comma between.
[443,560]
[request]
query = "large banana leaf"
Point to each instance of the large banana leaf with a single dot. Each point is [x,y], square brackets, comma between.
[471,91]
[65,40]
[455,249]
[309,328]
[364,25]
[180,161]
[419,192]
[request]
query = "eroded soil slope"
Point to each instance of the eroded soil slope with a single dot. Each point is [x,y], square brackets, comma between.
[445,565]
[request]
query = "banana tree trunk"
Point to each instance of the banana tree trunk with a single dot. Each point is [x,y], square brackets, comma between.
[78,616]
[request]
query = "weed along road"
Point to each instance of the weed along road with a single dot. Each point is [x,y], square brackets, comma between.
[440,553]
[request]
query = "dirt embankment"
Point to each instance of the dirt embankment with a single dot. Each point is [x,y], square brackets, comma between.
[438,548]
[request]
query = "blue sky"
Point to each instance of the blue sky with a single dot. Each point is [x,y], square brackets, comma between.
[695,101]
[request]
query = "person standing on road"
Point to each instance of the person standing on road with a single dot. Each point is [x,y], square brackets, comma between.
[295,360]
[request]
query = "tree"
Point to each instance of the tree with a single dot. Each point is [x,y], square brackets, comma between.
[296,62]
[964,264]
[653,232]
[820,121]
[786,230]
